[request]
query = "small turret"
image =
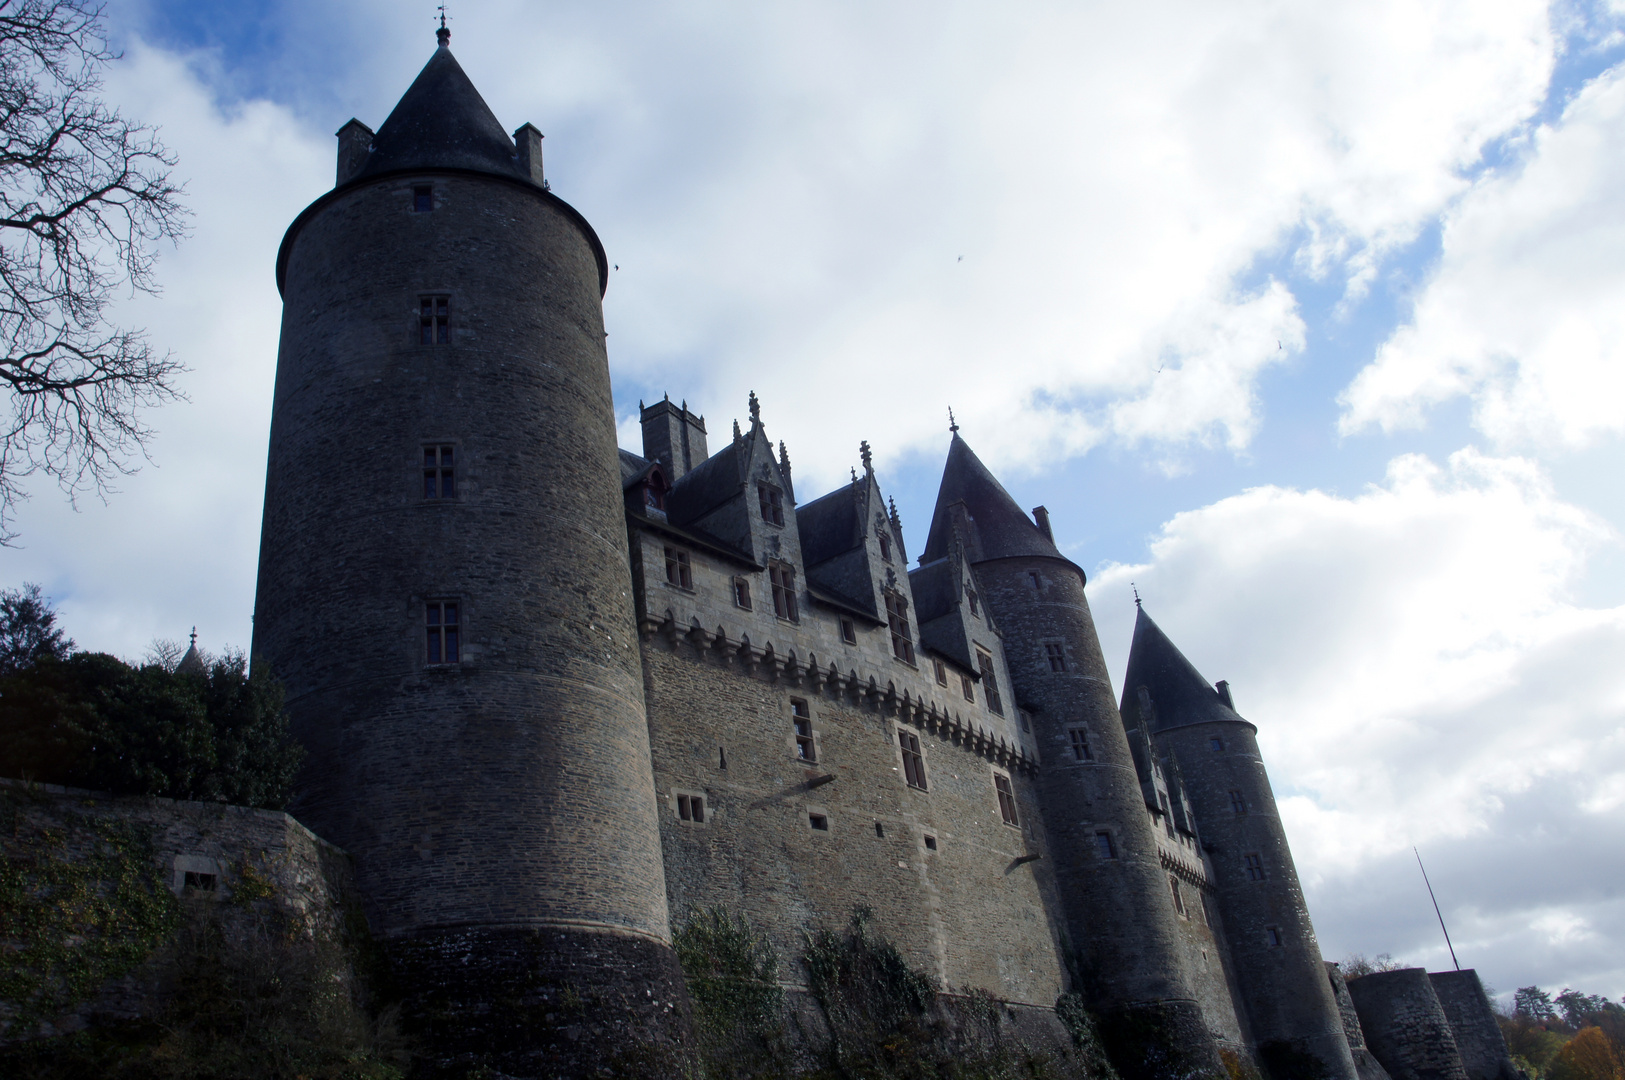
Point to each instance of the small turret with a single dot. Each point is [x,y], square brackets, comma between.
[674,437]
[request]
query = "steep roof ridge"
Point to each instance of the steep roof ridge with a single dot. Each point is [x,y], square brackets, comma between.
[1179,693]
[1003,529]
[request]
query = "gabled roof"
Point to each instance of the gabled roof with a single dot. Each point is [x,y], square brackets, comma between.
[829,525]
[1179,693]
[443,122]
[1003,530]
[706,486]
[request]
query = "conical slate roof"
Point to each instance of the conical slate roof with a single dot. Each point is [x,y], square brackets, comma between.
[1003,530]
[442,122]
[1179,693]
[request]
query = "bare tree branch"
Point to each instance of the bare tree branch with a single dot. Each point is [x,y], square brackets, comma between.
[85,200]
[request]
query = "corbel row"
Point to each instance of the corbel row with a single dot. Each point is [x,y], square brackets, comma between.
[1191,875]
[766,662]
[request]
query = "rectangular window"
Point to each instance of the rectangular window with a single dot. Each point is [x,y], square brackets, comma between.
[1179,901]
[1026,719]
[913,760]
[1255,866]
[941,672]
[443,627]
[902,641]
[1057,656]
[439,473]
[1215,743]
[1167,814]
[801,717]
[880,830]
[784,590]
[990,683]
[434,320]
[819,822]
[1080,745]
[691,808]
[423,199]
[201,882]
[678,570]
[772,502]
[1272,934]
[885,547]
[1237,802]
[742,592]
[1103,844]
[930,842]
[849,632]
[1007,799]
[1032,576]
[968,687]
[975,605]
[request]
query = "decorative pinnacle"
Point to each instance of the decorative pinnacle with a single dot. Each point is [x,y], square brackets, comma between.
[953,425]
[737,434]
[1136,590]
[194,637]
[867,455]
[755,409]
[896,521]
[784,455]
[854,476]
[443,35]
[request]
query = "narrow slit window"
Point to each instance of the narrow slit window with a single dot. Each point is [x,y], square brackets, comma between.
[902,639]
[819,822]
[1167,814]
[1026,719]
[1272,934]
[801,719]
[1238,802]
[434,320]
[990,683]
[772,503]
[880,830]
[1056,653]
[439,472]
[885,547]
[443,630]
[783,580]
[1255,866]
[849,631]
[1103,845]
[1007,799]
[967,687]
[423,199]
[679,571]
[975,604]
[1179,901]
[913,760]
[941,671]
[742,592]
[1080,745]
[1032,576]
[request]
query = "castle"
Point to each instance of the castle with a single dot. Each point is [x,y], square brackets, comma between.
[558,695]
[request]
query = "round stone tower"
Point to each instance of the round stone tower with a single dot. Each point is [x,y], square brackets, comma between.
[444,588]
[1290,1002]
[1119,916]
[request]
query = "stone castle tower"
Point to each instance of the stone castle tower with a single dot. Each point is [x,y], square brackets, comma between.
[443,579]
[558,695]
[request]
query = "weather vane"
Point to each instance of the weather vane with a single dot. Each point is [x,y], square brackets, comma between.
[1136,592]
[953,425]
[444,34]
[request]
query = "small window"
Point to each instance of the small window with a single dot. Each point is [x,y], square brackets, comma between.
[990,683]
[1272,934]
[849,632]
[678,570]
[772,503]
[198,881]
[1167,815]
[654,495]
[1255,866]
[1032,576]
[880,830]
[1238,802]
[1215,743]
[1007,799]
[783,579]
[443,631]
[819,822]
[1103,845]
[930,842]
[801,718]
[423,199]
[913,760]
[742,592]
[1179,901]
[941,672]
[434,320]
[975,604]
[968,687]
[1056,653]
[902,639]
[1026,719]
[1080,745]
[885,547]
[691,808]
[439,473]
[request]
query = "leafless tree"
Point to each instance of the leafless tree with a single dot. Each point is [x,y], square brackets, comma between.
[85,200]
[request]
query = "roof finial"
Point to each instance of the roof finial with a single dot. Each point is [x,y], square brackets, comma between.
[194,637]
[953,425]
[867,456]
[896,522]
[1136,594]
[784,455]
[443,35]
[854,476]
[737,435]
[755,409]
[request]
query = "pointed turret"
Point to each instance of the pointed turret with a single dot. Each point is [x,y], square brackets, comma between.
[192,662]
[1181,694]
[1001,530]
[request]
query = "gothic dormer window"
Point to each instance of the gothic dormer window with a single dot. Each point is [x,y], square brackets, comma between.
[654,491]
[902,641]
[772,502]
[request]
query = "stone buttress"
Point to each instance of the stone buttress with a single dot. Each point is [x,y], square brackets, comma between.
[444,588]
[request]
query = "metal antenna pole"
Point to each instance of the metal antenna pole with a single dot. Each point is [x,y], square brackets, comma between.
[1436,910]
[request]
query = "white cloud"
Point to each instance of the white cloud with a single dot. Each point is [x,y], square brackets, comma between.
[1526,312]
[1420,675]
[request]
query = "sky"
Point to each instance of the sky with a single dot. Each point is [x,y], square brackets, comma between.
[1307,320]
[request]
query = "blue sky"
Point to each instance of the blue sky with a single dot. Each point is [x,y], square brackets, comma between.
[1377,251]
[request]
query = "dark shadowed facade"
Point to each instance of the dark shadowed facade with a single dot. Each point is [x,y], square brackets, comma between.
[559,695]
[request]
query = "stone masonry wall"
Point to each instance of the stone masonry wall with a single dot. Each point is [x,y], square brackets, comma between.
[1479,1040]
[1405,1026]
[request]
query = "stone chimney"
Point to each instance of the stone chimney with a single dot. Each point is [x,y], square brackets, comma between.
[674,437]
[355,143]
[529,141]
